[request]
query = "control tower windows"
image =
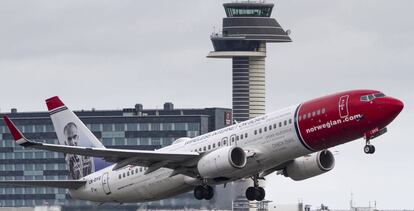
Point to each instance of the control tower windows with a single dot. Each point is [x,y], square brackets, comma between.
[221,44]
[248,11]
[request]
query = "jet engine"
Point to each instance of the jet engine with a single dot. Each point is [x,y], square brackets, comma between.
[310,165]
[221,162]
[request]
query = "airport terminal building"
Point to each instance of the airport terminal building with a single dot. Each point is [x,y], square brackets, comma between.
[130,128]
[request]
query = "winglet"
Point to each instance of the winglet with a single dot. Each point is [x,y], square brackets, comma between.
[13,129]
[17,135]
[53,103]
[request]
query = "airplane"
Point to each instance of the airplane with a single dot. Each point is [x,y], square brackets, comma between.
[293,141]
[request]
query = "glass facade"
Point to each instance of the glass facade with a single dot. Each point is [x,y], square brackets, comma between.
[114,129]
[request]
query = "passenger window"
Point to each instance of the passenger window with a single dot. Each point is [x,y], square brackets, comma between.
[255,132]
[280,124]
[300,118]
[225,142]
[232,139]
[119,176]
[209,147]
[241,136]
[218,144]
[285,122]
[270,127]
[214,145]
[290,121]
[309,115]
[136,170]
[265,129]
[318,112]
[274,126]
[313,114]
[260,130]
[304,117]
[237,138]
[245,135]
[200,150]
[128,173]
[205,148]
[123,174]
[323,110]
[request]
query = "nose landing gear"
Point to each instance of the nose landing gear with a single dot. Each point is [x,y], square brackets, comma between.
[368,148]
[255,193]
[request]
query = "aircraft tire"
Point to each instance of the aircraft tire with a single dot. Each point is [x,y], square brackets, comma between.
[209,192]
[260,194]
[199,192]
[251,193]
[372,150]
[369,149]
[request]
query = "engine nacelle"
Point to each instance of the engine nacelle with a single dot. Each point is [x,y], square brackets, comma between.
[221,162]
[309,166]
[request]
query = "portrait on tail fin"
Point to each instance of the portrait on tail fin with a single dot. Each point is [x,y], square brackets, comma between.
[79,166]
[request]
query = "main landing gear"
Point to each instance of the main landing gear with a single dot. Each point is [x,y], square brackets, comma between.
[203,192]
[255,193]
[368,148]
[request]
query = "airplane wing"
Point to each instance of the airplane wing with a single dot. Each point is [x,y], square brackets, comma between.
[70,184]
[123,157]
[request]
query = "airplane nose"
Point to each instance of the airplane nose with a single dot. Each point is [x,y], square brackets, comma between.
[395,105]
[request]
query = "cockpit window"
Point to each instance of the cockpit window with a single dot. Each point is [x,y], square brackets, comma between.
[372,96]
[379,95]
[364,98]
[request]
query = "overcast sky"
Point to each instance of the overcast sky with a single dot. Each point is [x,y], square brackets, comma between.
[112,54]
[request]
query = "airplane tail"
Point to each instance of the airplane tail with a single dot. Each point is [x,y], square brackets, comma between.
[71,131]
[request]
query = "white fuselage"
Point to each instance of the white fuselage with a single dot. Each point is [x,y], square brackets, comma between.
[267,145]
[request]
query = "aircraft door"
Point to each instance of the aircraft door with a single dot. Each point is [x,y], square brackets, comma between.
[343,106]
[105,183]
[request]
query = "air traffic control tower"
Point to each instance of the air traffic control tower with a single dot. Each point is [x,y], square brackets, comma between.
[246,30]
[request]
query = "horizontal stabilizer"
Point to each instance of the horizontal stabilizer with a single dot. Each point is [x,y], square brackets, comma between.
[69,184]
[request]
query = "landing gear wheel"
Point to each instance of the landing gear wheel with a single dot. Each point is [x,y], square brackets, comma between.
[251,193]
[369,149]
[372,149]
[203,192]
[199,192]
[261,193]
[209,193]
[255,193]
